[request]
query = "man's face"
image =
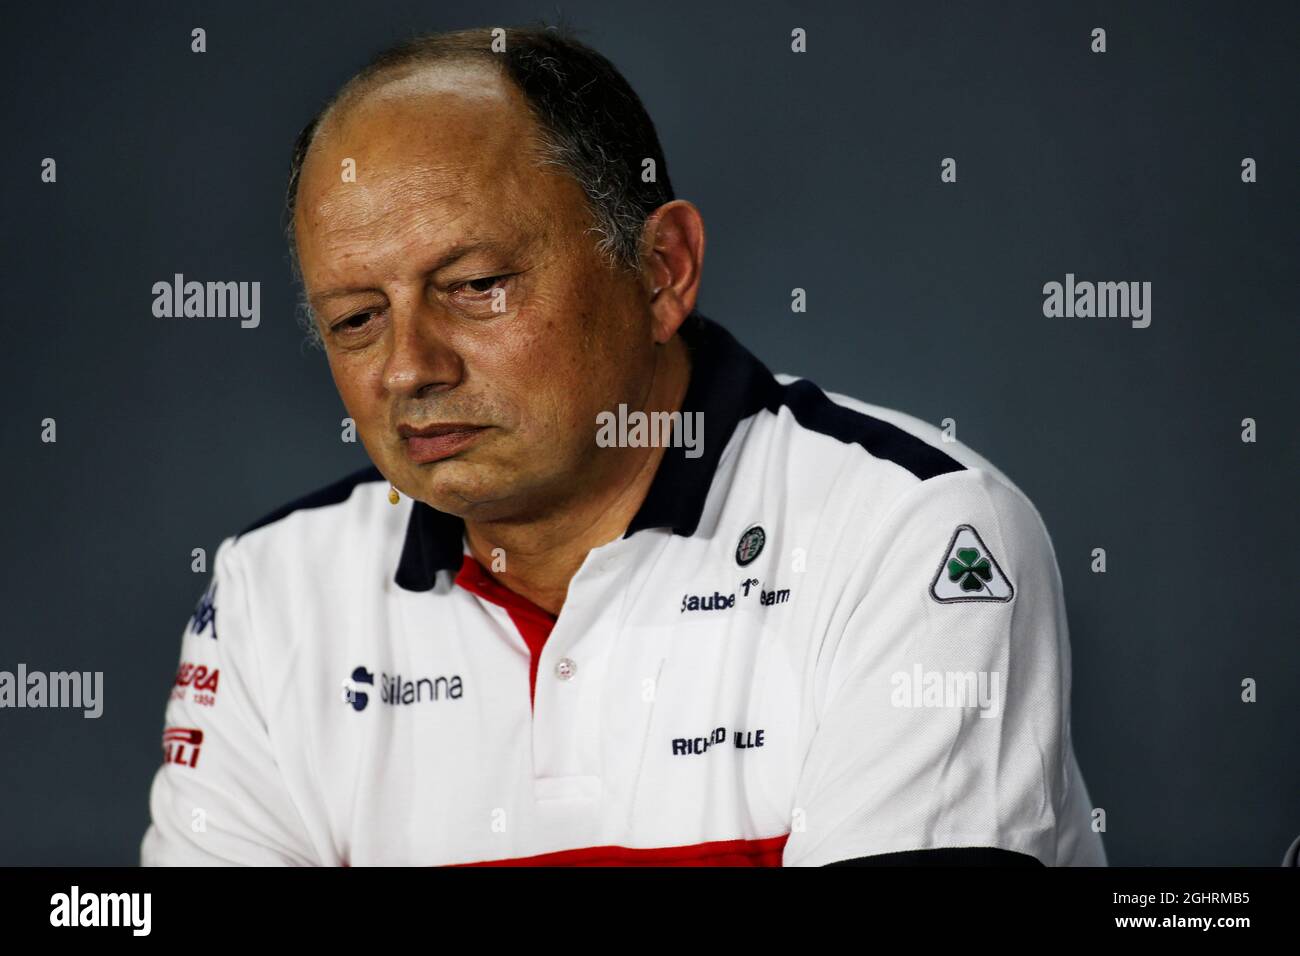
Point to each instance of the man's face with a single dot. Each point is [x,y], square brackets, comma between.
[402,268]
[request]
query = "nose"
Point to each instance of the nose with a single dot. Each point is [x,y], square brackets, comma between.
[420,359]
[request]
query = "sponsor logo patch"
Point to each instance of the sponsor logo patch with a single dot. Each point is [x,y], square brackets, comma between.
[751,545]
[200,682]
[396,690]
[181,745]
[353,694]
[969,572]
[205,614]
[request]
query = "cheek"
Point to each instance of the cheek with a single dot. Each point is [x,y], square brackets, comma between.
[539,366]
[546,390]
[573,373]
[355,381]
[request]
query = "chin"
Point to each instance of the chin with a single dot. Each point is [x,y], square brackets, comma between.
[458,488]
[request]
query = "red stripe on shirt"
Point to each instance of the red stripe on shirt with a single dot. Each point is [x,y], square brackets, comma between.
[765,852]
[534,623]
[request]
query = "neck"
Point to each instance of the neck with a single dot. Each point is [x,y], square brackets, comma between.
[544,554]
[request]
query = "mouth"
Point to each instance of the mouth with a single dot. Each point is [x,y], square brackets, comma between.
[436,442]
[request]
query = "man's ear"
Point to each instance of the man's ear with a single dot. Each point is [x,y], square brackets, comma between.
[673,259]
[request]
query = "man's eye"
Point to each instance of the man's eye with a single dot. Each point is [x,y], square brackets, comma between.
[483,285]
[353,322]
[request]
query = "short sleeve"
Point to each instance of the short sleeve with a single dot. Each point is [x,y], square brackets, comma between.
[943,705]
[218,798]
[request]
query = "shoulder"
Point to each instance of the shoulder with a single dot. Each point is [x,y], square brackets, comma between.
[870,464]
[910,438]
[331,530]
[288,578]
[335,493]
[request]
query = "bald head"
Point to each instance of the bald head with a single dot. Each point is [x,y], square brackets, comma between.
[589,121]
[453,144]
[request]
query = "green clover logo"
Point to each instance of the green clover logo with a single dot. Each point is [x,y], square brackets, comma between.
[968,567]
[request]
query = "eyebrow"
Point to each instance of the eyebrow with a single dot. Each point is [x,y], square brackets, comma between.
[457,252]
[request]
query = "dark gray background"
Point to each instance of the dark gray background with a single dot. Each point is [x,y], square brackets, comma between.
[819,171]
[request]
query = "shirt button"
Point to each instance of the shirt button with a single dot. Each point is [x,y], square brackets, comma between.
[565,668]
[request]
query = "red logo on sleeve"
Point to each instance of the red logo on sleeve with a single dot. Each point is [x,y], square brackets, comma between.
[181,745]
[201,682]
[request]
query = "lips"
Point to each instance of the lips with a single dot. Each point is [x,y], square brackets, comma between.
[435,442]
[433,431]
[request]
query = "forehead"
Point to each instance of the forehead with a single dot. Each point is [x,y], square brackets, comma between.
[442,145]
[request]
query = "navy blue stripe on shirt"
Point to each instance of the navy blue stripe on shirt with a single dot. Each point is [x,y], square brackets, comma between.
[332,494]
[813,409]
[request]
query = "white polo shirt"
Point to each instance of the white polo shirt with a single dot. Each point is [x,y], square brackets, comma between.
[830,636]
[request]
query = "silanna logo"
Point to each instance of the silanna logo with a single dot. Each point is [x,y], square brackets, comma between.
[399,691]
[352,694]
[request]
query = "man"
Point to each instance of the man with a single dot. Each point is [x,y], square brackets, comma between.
[795,629]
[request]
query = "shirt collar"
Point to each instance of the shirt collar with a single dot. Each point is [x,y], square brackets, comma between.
[727,385]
